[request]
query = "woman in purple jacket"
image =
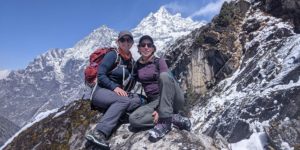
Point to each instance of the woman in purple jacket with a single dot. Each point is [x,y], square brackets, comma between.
[164,96]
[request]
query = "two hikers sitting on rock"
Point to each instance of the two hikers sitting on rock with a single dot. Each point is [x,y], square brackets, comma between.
[164,96]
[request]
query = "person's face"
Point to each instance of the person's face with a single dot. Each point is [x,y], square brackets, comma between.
[125,43]
[146,48]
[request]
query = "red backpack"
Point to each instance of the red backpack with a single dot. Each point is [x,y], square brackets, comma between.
[90,72]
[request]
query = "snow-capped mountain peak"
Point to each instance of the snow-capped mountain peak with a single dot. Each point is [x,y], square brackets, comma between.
[100,37]
[50,59]
[162,12]
[164,28]
[164,22]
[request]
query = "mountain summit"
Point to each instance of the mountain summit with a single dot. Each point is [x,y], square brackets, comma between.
[165,27]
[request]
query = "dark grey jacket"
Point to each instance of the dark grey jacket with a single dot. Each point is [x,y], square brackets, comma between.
[111,75]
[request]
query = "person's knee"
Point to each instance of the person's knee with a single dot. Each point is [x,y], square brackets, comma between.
[121,104]
[133,105]
[124,100]
[133,120]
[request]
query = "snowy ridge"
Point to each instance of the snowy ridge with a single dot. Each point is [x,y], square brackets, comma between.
[4,73]
[38,118]
[50,59]
[101,37]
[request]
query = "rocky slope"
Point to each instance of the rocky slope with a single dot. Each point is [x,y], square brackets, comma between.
[7,129]
[66,129]
[241,72]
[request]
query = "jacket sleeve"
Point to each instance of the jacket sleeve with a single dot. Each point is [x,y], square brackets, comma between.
[135,71]
[163,67]
[104,68]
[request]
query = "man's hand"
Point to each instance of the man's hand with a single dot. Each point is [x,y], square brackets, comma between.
[120,91]
[155,116]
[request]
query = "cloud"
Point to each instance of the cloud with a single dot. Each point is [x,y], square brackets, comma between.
[209,9]
[176,7]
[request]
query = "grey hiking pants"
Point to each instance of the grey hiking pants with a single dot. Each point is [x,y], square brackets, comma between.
[116,106]
[171,101]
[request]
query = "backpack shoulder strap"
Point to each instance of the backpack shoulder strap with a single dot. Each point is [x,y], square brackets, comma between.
[156,62]
[118,59]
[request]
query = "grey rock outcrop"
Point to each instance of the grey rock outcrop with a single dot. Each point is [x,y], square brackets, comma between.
[288,10]
[211,53]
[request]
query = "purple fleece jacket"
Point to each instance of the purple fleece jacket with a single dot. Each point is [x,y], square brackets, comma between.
[148,76]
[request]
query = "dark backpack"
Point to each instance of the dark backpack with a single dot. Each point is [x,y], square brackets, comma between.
[90,72]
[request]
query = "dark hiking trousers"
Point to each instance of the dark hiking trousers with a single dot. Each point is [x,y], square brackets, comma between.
[116,105]
[171,101]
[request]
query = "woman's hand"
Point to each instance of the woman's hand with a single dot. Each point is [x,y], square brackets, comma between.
[120,91]
[155,116]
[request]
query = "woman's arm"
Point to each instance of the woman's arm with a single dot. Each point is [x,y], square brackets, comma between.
[103,69]
[163,67]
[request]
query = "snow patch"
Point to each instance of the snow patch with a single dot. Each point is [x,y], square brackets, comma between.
[58,114]
[256,141]
[4,74]
[286,146]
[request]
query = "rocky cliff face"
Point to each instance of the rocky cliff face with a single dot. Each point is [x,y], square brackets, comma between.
[241,72]
[211,53]
[288,10]
[7,129]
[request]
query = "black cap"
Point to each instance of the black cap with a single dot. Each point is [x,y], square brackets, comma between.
[146,37]
[124,33]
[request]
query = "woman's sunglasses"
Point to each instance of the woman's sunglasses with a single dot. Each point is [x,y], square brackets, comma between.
[150,45]
[128,40]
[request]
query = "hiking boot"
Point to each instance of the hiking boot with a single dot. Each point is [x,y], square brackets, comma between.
[160,129]
[182,123]
[98,138]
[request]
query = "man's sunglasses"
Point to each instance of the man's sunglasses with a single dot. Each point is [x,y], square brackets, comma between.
[128,40]
[150,45]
